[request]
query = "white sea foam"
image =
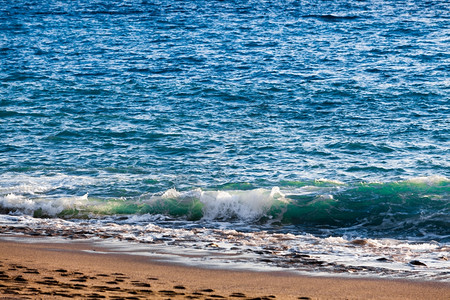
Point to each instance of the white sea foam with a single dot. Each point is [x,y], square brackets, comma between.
[430,180]
[171,193]
[261,249]
[324,180]
[244,205]
[51,207]
[28,184]
[184,195]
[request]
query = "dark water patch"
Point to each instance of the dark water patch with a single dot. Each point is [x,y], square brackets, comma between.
[361,146]
[375,169]
[332,18]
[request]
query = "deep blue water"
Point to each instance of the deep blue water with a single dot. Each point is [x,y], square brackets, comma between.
[127,100]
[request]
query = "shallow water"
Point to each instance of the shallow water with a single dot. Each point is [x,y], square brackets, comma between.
[257,250]
[304,118]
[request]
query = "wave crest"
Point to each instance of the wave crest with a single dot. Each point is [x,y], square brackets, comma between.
[243,205]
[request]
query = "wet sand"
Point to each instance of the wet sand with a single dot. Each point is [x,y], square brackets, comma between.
[42,270]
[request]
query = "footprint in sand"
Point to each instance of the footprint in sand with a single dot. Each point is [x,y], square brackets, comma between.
[238,295]
[19,279]
[179,287]
[152,278]
[140,284]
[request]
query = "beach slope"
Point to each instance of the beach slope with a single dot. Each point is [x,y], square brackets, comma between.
[62,270]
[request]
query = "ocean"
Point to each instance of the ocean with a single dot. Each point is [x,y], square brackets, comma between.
[304,136]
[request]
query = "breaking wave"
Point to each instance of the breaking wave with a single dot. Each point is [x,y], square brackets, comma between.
[418,207]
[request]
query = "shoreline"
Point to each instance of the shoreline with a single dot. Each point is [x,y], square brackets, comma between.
[74,269]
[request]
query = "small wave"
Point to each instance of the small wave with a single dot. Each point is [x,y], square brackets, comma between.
[418,207]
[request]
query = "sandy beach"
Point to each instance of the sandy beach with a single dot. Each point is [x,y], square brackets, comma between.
[42,270]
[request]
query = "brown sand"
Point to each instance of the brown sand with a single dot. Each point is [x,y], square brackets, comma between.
[55,271]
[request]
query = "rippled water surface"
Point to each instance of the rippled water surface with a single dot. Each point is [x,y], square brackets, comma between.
[211,92]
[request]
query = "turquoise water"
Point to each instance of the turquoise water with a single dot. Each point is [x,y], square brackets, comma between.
[318,117]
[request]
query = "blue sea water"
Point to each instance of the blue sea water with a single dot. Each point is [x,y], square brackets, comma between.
[325,118]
